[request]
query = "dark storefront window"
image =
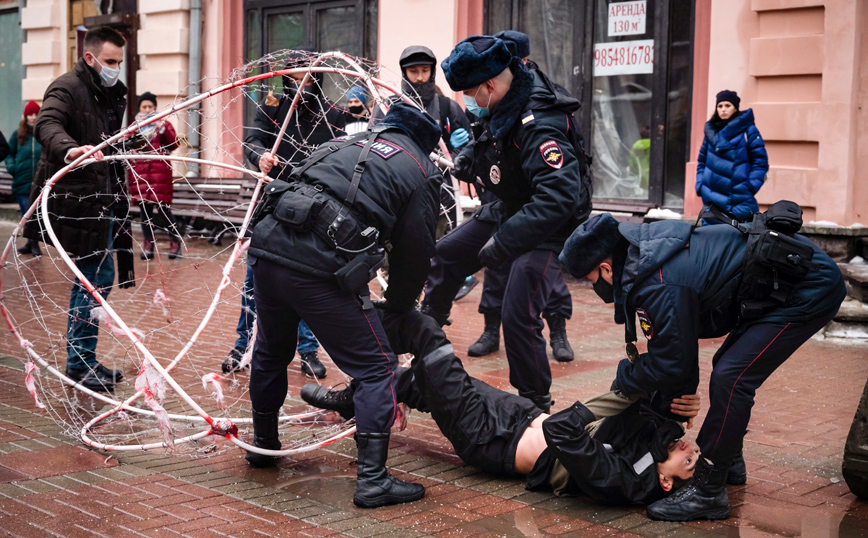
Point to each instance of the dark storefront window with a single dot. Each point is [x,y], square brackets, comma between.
[348,26]
[629,62]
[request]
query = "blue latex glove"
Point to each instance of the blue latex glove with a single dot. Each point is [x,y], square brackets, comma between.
[459,137]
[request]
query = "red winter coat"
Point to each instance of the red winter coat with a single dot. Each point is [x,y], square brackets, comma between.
[151,181]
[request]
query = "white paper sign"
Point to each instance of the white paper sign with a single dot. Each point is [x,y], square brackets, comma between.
[627,18]
[624,58]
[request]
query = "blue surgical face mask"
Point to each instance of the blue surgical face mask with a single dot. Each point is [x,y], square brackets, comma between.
[473,106]
[108,75]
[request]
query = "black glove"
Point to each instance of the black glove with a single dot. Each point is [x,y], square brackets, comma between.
[664,435]
[492,254]
[463,170]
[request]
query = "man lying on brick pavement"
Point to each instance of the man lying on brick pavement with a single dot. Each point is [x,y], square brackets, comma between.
[636,456]
[686,283]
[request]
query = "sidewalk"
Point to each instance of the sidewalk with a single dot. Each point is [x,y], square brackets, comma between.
[52,485]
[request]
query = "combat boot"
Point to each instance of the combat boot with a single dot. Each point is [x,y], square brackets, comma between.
[375,486]
[311,365]
[703,497]
[233,361]
[561,349]
[265,435]
[489,342]
[330,399]
[441,318]
[543,401]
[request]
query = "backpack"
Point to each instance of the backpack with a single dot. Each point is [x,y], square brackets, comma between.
[774,261]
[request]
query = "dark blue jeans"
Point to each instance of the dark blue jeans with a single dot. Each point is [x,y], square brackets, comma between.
[307,342]
[82,332]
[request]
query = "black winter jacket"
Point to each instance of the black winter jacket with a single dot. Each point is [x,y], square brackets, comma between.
[316,120]
[614,466]
[398,195]
[681,283]
[77,110]
[530,156]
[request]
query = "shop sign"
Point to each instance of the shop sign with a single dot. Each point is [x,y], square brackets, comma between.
[624,58]
[627,18]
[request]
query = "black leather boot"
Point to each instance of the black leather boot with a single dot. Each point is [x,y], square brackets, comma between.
[561,349]
[441,318]
[264,436]
[543,401]
[330,399]
[375,486]
[489,342]
[737,474]
[703,497]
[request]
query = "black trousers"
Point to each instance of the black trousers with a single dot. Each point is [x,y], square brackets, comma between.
[147,213]
[532,279]
[484,424]
[354,339]
[494,286]
[746,359]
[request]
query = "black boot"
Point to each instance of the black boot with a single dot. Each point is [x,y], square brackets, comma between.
[543,401]
[330,399]
[375,486]
[441,318]
[489,342]
[466,288]
[311,365]
[558,339]
[233,361]
[264,436]
[737,474]
[114,375]
[703,497]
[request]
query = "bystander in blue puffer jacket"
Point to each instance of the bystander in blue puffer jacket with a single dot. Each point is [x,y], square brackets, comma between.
[733,164]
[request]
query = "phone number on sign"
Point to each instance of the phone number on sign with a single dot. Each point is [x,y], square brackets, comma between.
[625,57]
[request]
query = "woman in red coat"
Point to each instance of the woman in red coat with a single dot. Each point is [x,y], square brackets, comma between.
[151,181]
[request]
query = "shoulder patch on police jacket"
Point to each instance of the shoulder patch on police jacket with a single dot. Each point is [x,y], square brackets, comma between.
[384,149]
[527,118]
[552,154]
[645,323]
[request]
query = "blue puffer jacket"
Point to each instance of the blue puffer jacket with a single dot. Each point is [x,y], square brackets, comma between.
[732,166]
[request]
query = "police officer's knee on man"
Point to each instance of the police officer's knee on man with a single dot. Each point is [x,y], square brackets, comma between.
[685,283]
[313,253]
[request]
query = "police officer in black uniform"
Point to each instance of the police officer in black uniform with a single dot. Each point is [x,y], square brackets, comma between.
[560,304]
[529,155]
[683,284]
[313,254]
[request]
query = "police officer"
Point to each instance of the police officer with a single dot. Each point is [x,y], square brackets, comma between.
[529,156]
[560,304]
[313,255]
[683,285]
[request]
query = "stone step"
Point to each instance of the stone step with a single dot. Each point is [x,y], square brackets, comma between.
[10,212]
[856,278]
[851,321]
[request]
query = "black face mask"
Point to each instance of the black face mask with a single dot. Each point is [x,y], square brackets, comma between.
[603,289]
[425,90]
[356,109]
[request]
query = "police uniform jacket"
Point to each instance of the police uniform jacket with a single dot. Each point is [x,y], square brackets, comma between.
[615,466]
[681,285]
[78,110]
[530,156]
[398,195]
[316,120]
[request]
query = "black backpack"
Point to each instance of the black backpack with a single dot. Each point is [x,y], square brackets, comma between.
[774,261]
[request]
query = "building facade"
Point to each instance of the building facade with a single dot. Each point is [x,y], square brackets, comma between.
[646,72]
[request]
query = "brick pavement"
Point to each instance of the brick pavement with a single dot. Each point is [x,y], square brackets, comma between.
[52,485]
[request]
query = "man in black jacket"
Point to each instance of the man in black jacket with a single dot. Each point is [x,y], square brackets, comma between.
[313,254]
[530,156]
[315,120]
[683,284]
[88,206]
[630,457]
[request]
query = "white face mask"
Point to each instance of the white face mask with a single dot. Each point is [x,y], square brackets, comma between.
[108,75]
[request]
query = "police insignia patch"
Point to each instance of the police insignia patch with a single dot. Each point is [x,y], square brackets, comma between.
[645,323]
[552,154]
[494,174]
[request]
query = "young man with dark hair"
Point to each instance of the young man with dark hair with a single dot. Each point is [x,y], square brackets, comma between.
[683,284]
[88,207]
[613,449]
